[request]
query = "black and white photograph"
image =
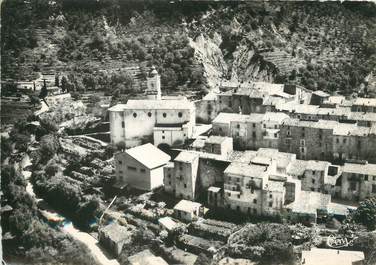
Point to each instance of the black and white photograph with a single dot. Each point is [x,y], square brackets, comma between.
[188,132]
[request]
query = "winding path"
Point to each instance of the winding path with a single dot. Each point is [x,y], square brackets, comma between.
[93,245]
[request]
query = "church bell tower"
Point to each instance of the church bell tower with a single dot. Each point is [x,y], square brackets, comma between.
[153,80]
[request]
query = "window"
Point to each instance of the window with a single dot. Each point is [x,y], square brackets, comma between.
[271,196]
[275,135]
[185,185]
[313,181]
[353,185]
[254,134]
[374,178]
[373,188]
[132,168]
[313,172]
[238,126]
[163,137]
[120,162]
[149,114]
[254,125]
[134,115]
[238,196]
[264,125]
[276,126]
[344,141]
[122,124]
[181,114]
[164,115]
[209,113]
[337,140]
[169,183]
[366,177]
[270,204]
[169,176]
[254,201]
[142,170]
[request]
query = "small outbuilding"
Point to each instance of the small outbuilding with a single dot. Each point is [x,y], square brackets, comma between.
[188,210]
[114,236]
[146,258]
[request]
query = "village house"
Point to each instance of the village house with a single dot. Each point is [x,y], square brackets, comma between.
[180,179]
[145,257]
[250,131]
[248,189]
[114,236]
[327,140]
[358,181]
[188,210]
[246,98]
[218,145]
[141,167]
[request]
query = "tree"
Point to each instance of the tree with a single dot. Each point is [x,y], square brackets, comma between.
[64,84]
[51,169]
[57,80]
[43,92]
[6,148]
[48,147]
[34,100]
[120,146]
[365,214]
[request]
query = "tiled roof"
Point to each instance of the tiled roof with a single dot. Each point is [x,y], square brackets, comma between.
[369,169]
[187,156]
[247,170]
[275,116]
[309,201]
[116,232]
[217,139]
[154,104]
[187,206]
[149,155]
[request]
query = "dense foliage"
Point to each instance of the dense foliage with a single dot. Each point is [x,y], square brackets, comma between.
[365,214]
[109,45]
[263,242]
[38,242]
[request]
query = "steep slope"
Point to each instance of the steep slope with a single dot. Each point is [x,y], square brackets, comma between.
[109,45]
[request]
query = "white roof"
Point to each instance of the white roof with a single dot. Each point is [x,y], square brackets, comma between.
[149,155]
[331,256]
[146,258]
[214,189]
[360,168]
[187,206]
[167,222]
[186,157]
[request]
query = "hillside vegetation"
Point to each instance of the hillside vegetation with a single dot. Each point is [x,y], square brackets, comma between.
[110,44]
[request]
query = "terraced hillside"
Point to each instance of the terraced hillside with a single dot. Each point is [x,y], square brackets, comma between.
[109,45]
